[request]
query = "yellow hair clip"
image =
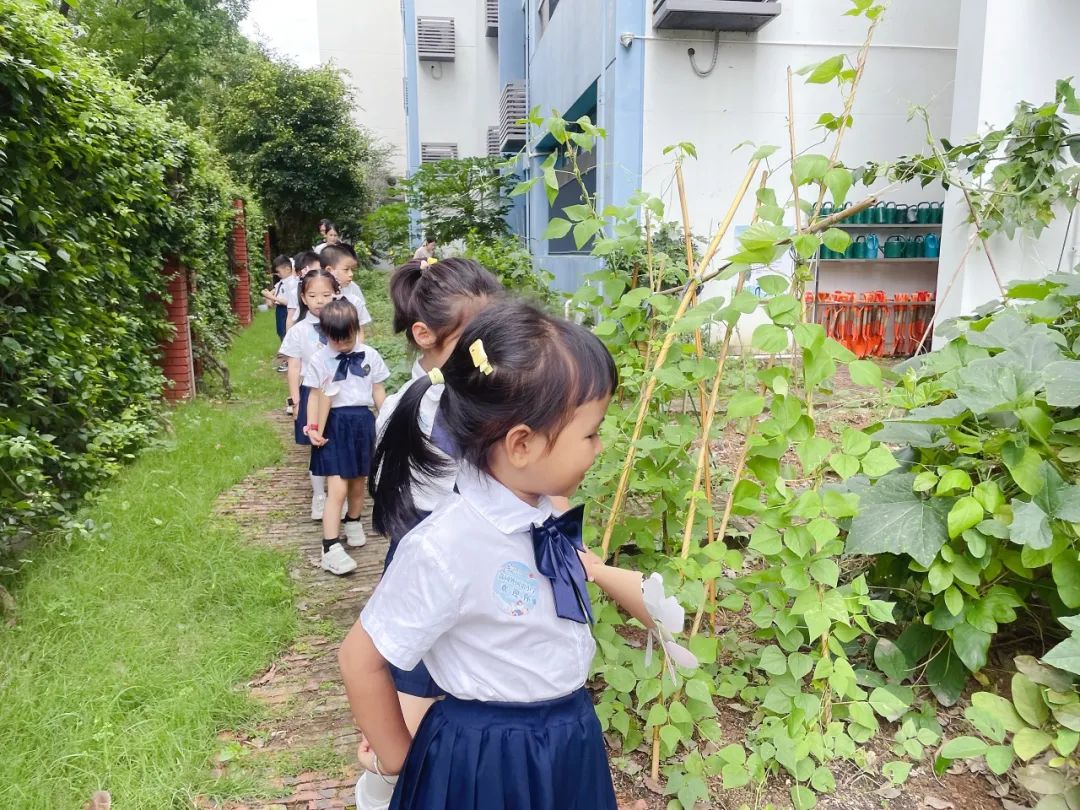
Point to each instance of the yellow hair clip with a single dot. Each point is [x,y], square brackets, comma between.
[436,376]
[480,358]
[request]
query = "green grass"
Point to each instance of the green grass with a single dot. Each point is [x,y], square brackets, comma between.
[129,644]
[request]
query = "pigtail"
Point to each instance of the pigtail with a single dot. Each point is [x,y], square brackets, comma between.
[403,284]
[402,452]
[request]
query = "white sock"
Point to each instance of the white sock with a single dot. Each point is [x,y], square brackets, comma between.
[318,485]
[373,792]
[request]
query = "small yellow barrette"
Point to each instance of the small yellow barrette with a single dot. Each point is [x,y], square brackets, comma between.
[436,376]
[480,358]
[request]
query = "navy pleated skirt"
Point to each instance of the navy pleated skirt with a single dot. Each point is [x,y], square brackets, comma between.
[350,443]
[300,409]
[469,755]
[281,317]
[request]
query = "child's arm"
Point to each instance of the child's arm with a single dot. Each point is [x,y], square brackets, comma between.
[378,393]
[318,410]
[373,700]
[291,319]
[623,586]
[293,377]
[269,297]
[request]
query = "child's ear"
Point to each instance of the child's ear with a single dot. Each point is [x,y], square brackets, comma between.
[519,444]
[424,337]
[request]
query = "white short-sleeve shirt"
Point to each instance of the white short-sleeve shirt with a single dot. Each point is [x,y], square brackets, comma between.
[427,490]
[351,292]
[291,291]
[464,595]
[353,390]
[302,341]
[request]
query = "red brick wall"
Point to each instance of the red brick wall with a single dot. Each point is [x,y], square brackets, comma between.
[241,299]
[176,352]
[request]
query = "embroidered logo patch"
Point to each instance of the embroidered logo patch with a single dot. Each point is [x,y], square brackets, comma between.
[516,588]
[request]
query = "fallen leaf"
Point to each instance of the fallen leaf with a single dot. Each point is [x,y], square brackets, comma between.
[936,803]
[889,791]
[265,678]
[654,785]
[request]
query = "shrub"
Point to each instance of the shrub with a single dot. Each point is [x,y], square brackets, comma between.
[97,188]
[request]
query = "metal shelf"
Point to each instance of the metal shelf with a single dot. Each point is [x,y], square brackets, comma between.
[906,225]
[879,261]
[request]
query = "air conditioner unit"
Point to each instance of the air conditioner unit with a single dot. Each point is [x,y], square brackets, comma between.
[493,149]
[513,107]
[714,15]
[435,39]
[492,17]
[434,152]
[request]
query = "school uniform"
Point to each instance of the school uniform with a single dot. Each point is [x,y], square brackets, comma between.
[348,378]
[427,492]
[351,292]
[281,311]
[302,342]
[498,611]
[292,294]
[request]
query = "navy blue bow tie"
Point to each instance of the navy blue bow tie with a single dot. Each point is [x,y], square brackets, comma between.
[350,362]
[556,544]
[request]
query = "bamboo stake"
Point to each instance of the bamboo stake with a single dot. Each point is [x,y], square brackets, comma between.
[699,349]
[669,339]
[986,247]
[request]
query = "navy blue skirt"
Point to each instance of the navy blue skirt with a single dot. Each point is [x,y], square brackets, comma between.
[281,315]
[469,755]
[350,443]
[417,681]
[300,409]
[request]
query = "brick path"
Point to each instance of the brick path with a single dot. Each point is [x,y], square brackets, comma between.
[308,732]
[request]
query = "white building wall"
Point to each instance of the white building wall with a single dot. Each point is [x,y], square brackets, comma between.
[367,40]
[1008,52]
[911,62]
[457,101]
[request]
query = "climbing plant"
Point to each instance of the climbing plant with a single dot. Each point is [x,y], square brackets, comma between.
[98,187]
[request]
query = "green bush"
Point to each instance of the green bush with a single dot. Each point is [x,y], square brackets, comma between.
[97,188]
[508,259]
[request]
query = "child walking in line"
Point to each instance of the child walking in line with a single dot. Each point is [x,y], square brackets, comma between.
[345,378]
[489,590]
[276,297]
[303,262]
[432,305]
[340,259]
[317,289]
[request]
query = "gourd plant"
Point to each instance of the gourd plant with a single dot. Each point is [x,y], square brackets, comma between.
[785,624]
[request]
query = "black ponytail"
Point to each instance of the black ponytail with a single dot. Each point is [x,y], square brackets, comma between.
[401,452]
[543,369]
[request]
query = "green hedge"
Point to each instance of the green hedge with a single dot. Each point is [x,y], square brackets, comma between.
[97,186]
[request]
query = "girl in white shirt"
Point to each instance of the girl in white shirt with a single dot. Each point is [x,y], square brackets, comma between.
[433,303]
[489,590]
[317,289]
[345,379]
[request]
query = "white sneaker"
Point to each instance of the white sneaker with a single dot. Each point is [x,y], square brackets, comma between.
[318,505]
[373,792]
[354,533]
[336,561]
[288,410]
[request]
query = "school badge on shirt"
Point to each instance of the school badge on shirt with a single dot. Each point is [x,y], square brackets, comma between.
[516,588]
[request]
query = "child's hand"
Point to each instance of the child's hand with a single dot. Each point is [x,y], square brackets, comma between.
[590,562]
[316,437]
[367,760]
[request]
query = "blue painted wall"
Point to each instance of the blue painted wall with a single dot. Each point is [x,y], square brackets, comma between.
[412,111]
[580,48]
